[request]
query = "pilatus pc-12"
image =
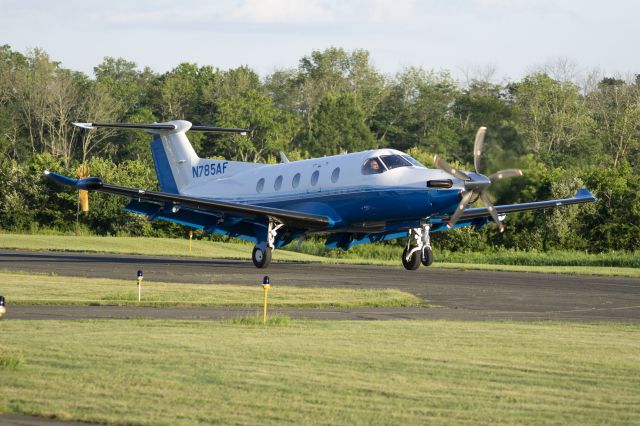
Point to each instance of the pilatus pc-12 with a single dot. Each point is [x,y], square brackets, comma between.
[357,198]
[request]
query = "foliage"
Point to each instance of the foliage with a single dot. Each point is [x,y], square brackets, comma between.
[563,134]
[339,127]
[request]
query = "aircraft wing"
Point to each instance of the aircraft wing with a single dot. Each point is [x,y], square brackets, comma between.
[252,212]
[582,196]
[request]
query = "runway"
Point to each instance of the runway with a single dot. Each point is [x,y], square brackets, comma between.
[459,295]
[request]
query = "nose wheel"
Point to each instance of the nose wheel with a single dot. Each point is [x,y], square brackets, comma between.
[410,261]
[427,256]
[418,249]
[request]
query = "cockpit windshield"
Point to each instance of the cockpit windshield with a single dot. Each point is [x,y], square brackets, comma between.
[413,161]
[383,163]
[394,161]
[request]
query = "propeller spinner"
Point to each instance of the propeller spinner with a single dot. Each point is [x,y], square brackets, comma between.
[475,184]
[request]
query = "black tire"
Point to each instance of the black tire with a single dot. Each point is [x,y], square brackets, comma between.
[261,258]
[427,256]
[414,261]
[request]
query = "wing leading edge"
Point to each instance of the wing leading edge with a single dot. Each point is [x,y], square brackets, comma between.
[582,196]
[252,212]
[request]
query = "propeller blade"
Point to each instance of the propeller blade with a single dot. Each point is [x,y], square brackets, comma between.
[494,214]
[477,148]
[443,165]
[466,196]
[505,174]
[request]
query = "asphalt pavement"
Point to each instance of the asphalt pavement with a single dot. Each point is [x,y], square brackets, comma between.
[459,295]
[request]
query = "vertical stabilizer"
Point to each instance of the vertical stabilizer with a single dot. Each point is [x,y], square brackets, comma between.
[177,164]
[174,157]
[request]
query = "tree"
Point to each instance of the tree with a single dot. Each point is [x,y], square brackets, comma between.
[615,108]
[552,114]
[125,83]
[484,103]
[271,130]
[416,112]
[339,126]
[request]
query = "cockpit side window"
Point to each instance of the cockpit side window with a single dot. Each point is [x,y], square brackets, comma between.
[372,166]
[394,161]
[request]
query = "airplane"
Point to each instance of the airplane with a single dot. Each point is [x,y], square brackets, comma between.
[356,198]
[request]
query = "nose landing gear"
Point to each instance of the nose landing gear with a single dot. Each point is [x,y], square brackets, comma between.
[418,249]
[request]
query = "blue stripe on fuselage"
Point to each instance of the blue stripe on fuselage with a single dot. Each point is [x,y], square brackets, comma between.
[365,204]
[163,169]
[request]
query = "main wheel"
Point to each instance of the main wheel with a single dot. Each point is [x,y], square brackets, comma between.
[427,256]
[414,261]
[261,257]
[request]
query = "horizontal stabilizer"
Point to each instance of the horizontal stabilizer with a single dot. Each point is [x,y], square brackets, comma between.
[160,126]
[243,132]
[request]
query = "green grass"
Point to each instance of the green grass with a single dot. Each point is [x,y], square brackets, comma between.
[142,246]
[568,270]
[498,256]
[575,263]
[29,289]
[388,372]
[272,320]
[10,360]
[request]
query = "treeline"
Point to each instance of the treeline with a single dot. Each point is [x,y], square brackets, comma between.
[564,134]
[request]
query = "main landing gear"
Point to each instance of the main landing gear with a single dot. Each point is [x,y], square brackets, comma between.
[261,255]
[418,249]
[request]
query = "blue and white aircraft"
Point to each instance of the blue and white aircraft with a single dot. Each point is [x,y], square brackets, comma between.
[357,198]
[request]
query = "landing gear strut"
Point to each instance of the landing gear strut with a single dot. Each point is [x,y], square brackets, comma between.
[261,255]
[418,249]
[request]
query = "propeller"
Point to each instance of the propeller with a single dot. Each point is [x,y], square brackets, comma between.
[475,184]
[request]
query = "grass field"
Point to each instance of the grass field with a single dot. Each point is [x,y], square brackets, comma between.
[574,263]
[143,246]
[29,289]
[390,372]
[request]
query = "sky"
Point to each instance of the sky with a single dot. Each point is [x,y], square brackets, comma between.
[511,37]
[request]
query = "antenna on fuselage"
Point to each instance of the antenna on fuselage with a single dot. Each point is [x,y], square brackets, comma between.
[283,157]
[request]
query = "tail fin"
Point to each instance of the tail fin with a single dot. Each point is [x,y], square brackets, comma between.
[163,168]
[173,157]
[176,162]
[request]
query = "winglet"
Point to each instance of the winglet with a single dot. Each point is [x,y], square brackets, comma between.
[59,179]
[585,193]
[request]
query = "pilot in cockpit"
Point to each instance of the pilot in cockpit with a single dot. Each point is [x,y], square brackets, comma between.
[372,166]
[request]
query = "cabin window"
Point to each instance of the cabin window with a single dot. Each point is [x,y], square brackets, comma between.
[372,166]
[296,180]
[278,183]
[260,185]
[335,175]
[394,161]
[314,178]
